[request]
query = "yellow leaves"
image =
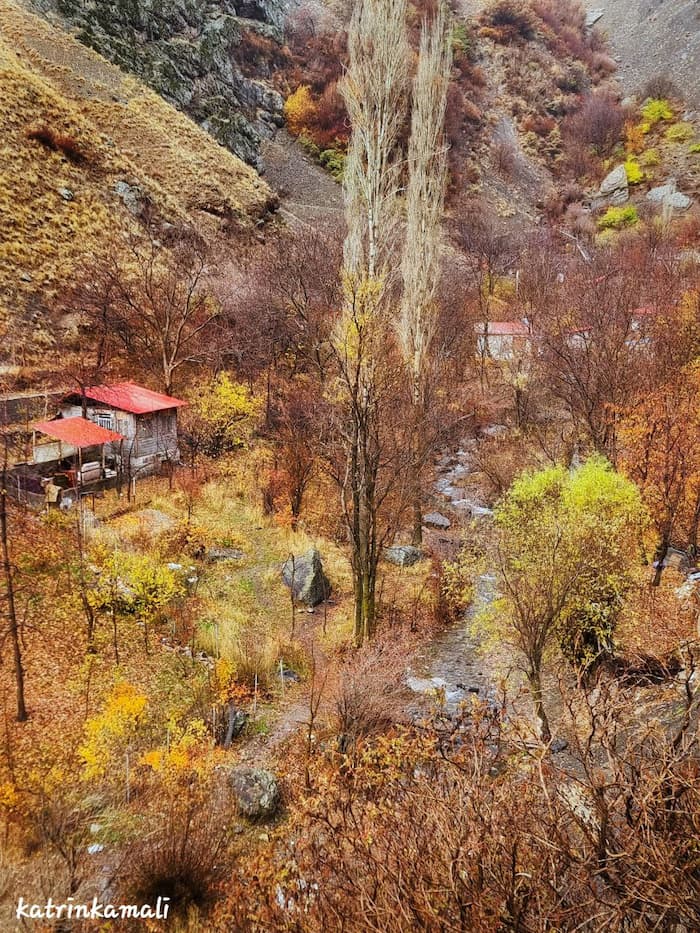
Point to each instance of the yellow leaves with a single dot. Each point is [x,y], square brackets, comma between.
[9,796]
[111,729]
[299,109]
[180,753]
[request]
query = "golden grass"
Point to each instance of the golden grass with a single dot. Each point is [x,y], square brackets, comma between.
[127,132]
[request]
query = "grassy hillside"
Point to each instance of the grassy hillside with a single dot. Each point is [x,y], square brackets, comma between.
[75,132]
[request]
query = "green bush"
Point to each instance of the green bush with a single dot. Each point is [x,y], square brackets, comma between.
[655,110]
[617,217]
[633,171]
[680,132]
[650,158]
[334,161]
[695,148]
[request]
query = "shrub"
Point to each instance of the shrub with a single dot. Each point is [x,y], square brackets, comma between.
[695,148]
[334,161]
[182,857]
[508,21]
[615,218]
[661,87]
[633,171]
[598,123]
[656,110]
[58,142]
[680,132]
[299,109]
[650,158]
[634,138]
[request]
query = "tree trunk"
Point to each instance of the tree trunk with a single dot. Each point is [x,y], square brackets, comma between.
[535,682]
[22,714]
[659,558]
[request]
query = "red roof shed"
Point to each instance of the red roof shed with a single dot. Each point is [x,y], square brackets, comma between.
[128,396]
[78,432]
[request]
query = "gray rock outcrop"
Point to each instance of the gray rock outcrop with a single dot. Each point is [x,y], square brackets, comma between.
[614,189]
[667,196]
[256,792]
[304,575]
[404,555]
[193,54]
[436,520]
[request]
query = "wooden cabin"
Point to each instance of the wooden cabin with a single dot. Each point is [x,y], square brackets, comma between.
[146,420]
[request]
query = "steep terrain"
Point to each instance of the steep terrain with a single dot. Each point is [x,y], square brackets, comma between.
[204,58]
[85,151]
[652,38]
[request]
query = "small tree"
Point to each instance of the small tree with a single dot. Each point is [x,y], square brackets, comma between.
[566,543]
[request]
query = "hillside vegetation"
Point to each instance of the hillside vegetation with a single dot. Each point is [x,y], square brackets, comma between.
[86,151]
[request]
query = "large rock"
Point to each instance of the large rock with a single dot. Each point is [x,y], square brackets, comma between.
[613,190]
[216,554]
[404,555]
[194,54]
[436,520]
[304,575]
[256,791]
[668,196]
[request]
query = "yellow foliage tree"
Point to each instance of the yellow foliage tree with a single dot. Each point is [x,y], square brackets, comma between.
[299,110]
[108,734]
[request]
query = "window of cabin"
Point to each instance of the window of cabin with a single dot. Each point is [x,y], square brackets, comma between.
[105,419]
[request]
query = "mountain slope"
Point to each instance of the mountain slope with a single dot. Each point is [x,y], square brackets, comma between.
[652,38]
[85,150]
[204,58]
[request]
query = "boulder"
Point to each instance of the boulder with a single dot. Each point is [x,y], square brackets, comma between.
[256,792]
[667,196]
[131,196]
[304,576]
[404,555]
[614,188]
[436,520]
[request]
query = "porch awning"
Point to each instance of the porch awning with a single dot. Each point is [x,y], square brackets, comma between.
[78,432]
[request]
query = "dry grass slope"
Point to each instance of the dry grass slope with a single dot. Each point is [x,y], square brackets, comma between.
[58,201]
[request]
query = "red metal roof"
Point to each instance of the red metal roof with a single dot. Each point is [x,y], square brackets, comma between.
[504,328]
[128,396]
[78,432]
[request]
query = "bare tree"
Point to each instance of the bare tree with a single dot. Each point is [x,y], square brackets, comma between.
[374,90]
[420,267]
[159,311]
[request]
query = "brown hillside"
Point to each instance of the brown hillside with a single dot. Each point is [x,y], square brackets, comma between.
[73,127]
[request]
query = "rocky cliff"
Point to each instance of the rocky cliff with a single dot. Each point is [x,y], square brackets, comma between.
[209,59]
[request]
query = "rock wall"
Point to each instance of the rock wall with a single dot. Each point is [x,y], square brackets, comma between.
[189,52]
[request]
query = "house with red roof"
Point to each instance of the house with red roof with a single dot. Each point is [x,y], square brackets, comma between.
[146,422]
[502,340]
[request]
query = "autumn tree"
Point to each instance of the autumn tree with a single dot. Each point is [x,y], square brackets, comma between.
[374,91]
[660,438]
[566,543]
[151,303]
[219,417]
[8,570]
[420,267]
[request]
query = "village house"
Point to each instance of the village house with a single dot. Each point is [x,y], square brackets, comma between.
[98,438]
[145,420]
[503,341]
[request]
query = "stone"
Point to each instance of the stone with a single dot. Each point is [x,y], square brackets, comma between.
[614,188]
[667,196]
[304,575]
[593,16]
[66,194]
[195,55]
[256,792]
[558,745]
[216,554]
[404,555]
[131,196]
[436,520]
